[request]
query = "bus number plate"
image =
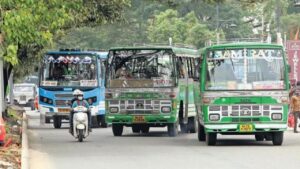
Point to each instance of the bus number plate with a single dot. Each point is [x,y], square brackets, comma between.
[62,110]
[138,119]
[246,127]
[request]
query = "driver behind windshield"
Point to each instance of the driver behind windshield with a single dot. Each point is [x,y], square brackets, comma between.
[123,73]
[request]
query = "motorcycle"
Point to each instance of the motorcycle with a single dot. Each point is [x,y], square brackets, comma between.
[80,123]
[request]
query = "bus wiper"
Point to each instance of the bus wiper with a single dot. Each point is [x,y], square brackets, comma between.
[232,63]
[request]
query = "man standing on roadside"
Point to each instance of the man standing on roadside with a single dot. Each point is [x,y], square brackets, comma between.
[295,108]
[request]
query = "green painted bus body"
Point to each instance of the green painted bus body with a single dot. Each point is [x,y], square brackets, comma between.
[263,100]
[174,95]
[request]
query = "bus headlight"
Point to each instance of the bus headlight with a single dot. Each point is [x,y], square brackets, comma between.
[46,100]
[114,109]
[166,109]
[285,100]
[207,100]
[276,116]
[214,117]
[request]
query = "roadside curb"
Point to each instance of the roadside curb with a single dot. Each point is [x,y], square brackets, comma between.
[25,152]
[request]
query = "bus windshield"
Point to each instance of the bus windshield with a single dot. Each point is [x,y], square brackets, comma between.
[141,68]
[69,70]
[245,69]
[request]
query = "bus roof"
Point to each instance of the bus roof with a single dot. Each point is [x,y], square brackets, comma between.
[188,52]
[245,45]
[102,54]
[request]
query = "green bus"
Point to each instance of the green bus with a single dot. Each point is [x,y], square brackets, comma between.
[242,88]
[151,86]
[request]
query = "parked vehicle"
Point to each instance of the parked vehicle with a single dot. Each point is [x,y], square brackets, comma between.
[80,123]
[24,94]
[151,86]
[64,71]
[243,88]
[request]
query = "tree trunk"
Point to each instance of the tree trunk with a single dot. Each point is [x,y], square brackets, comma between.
[297,34]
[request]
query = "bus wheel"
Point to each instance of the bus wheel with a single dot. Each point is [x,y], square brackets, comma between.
[173,129]
[117,129]
[211,139]
[102,121]
[259,137]
[192,125]
[268,137]
[95,123]
[136,129]
[57,122]
[145,129]
[47,120]
[277,138]
[201,133]
[184,128]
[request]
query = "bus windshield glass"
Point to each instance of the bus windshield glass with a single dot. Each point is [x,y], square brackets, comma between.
[141,68]
[69,71]
[245,69]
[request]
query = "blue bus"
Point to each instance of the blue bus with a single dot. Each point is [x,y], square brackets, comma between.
[64,71]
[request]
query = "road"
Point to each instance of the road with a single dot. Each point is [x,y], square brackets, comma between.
[56,149]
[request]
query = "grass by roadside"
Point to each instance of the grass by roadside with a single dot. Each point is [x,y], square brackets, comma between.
[10,152]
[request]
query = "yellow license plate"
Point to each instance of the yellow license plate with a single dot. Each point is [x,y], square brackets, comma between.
[62,110]
[138,119]
[246,127]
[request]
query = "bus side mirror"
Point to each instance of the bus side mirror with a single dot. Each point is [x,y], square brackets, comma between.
[289,68]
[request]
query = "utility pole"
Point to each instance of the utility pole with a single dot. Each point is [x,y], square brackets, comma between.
[217,22]
[278,29]
[1,88]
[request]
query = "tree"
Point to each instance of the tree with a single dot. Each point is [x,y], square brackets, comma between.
[28,26]
[187,29]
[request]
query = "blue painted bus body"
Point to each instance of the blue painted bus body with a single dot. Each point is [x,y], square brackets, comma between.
[54,101]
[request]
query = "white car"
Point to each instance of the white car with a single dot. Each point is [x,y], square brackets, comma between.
[24,94]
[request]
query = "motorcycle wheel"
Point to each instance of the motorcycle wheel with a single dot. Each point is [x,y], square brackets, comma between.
[80,135]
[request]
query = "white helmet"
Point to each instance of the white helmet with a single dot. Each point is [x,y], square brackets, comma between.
[77,92]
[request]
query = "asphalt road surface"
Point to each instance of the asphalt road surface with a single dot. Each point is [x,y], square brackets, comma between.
[56,149]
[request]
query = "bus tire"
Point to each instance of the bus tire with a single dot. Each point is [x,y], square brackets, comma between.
[57,122]
[102,121]
[117,129]
[277,138]
[192,125]
[259,137]
[32,107]
[201,133]
[136,129]
[145,129]
[47,120]
[268,136]
[95,123]
[173,129]
[184,128]
[211,139]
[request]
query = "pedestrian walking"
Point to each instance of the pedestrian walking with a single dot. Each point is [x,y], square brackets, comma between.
[295,108]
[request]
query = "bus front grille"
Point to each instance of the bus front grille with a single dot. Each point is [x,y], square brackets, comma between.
[65,103]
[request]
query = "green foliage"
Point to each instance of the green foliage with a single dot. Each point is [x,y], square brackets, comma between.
[28,26]
[187,29]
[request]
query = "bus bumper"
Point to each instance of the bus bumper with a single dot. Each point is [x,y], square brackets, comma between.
[148,119]
[223,128]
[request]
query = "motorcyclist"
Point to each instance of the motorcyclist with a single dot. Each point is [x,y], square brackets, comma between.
[79,101]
